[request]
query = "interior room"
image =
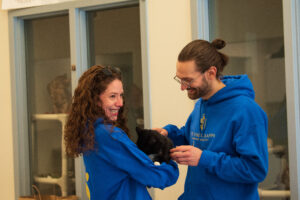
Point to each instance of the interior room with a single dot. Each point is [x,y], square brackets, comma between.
[45,48]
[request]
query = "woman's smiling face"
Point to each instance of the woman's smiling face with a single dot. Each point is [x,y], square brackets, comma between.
[112,99]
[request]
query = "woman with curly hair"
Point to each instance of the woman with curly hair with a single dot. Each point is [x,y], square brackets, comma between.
[96,128]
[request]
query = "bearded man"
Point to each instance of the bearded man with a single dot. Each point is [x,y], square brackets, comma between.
[224,141]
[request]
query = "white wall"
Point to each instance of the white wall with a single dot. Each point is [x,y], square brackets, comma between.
[6,142]
[169,26]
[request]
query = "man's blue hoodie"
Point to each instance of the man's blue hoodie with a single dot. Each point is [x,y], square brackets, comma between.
[231,129]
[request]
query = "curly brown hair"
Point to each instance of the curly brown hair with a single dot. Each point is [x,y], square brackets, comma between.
[79,130]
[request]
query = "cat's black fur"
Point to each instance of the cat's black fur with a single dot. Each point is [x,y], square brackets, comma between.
[153,143]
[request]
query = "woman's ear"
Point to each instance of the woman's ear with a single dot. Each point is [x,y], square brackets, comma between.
[99,102]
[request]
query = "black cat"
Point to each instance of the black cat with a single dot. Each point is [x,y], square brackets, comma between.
[155,145]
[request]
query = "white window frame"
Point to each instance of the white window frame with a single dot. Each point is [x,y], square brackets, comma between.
[291,21]
[78,56]
[291,26]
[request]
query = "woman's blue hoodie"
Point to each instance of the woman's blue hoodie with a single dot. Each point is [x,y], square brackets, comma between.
[231,130]
[119,170]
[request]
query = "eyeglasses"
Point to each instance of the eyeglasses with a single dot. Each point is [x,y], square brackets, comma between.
[185,83]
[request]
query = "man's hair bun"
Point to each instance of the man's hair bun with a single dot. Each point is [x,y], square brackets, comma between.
[218,43]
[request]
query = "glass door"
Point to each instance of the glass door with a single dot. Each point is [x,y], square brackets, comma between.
[253,31]
[48,80]
[114,40]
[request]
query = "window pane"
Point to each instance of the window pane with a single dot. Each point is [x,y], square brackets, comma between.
[48,96]
[114,37]
[253,31]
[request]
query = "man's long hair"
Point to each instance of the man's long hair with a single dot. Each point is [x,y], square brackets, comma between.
[205,55]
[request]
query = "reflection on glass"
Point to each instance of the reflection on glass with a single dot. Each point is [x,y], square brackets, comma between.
[49,98]
[115,41]
[253,31]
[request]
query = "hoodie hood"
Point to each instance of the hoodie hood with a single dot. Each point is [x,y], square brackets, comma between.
[239,85]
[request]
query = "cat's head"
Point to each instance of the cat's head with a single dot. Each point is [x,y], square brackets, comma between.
[148,140]
[151,141]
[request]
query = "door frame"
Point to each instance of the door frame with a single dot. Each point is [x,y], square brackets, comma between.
[291,22]
[78,55]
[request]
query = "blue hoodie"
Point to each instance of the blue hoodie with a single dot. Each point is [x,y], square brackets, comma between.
[118,170]
[231,130]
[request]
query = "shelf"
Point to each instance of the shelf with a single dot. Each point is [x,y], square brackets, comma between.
[274,193]
[60,117]
[61,181]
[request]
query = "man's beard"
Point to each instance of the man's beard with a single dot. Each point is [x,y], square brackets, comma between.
[197,92]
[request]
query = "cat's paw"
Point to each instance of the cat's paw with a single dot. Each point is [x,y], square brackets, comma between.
[156,163]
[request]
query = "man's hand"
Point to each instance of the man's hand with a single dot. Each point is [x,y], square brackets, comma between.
[161,131]
[186,155]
